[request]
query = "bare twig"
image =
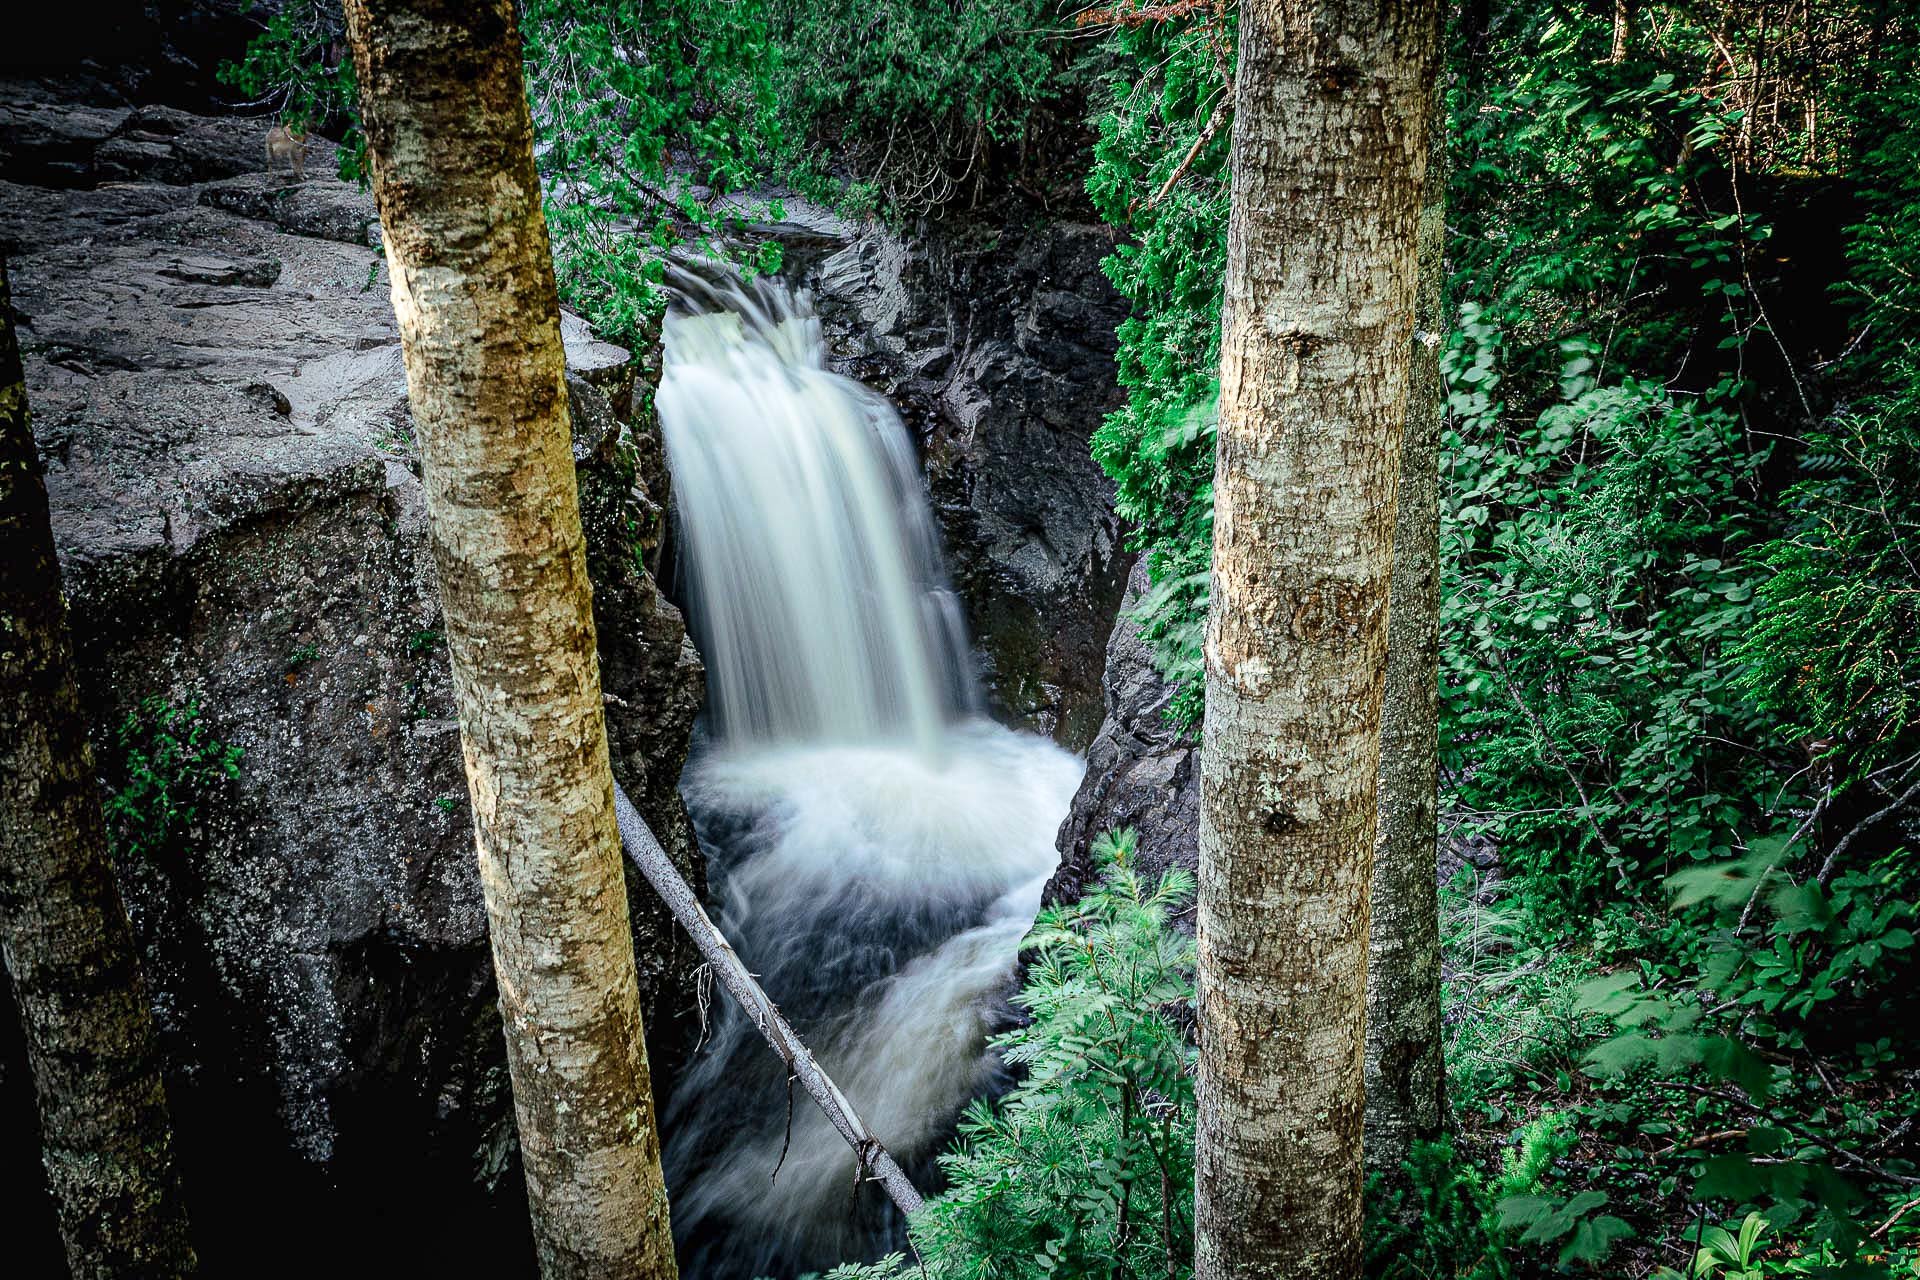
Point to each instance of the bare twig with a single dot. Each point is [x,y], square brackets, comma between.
[1828,867]
[1552,748]
[1207,133]
[1704,1139]
[1899,1213]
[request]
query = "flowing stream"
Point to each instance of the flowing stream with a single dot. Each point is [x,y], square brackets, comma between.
[876,846]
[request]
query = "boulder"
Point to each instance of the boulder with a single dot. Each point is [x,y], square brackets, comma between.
[164,144]
[49,141]
[322,207]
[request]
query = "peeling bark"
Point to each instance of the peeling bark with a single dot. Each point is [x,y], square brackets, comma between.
[106,1138]
[1405,1074]
[444,105]
[1329,151]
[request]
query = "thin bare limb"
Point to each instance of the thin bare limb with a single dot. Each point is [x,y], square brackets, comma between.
[1218,118]
[646,854]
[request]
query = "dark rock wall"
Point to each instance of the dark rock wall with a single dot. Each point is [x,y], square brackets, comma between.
[996,343]
[218,394]
[135,50]
[1142,773]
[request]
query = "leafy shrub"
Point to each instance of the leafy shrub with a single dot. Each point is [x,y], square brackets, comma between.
[1514,1023]
[1593,577]
[1833,650]
[1781,1042]
[1086,1166]
[170,768]
[893,104]
[300,66]
[1163,116]
[1446,1217]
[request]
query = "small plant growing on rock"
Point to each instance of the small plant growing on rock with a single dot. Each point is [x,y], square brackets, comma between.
[173,766]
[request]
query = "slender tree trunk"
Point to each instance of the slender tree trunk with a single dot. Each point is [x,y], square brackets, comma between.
[445,110]
[1622,30]
[1329,149]
[1406,1086]
[90,1039]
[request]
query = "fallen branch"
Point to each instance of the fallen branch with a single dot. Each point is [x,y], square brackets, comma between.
[1899,1213]
[645,852]
[1704,1139]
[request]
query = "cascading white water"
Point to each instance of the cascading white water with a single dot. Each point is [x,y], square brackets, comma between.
[815,566]
[876,846]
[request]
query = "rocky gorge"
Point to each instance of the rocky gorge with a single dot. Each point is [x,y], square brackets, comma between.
[218,396]
[219,400]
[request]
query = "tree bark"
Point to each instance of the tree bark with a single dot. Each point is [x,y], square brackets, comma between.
[445,111]
[106,1139]
[1406,1085]
[1622,30]
[1329,151]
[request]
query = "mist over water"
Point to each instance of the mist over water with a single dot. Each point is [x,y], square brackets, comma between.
[876,846]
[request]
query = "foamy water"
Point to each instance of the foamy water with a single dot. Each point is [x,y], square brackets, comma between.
[876,848]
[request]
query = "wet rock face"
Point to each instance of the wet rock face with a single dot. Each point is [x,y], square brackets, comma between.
[219,398]
[997,346]
[1142,772]
[149,50]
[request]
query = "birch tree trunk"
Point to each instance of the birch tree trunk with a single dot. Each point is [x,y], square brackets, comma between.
[445,111]
[1406,1085]
[1329,150]
[104,1131]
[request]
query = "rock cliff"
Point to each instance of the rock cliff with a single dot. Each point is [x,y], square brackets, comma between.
[218,395]
[1142,773]
[996,344]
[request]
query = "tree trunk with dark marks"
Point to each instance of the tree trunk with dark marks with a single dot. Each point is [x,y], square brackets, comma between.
[445,110]
[69,951]
[1329,153]
[1405,1077]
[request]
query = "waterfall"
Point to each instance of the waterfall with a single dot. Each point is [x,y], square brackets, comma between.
[876,846]
[816,585]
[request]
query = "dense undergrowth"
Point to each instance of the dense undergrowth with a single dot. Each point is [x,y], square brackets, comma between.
[1679,628]
[1681,600]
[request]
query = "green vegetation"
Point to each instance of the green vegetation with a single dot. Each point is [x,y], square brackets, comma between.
[170,769]
[1086,1166]
[1680,674]
[655,116]
[1159,174]
[1679,653]
[299,68]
